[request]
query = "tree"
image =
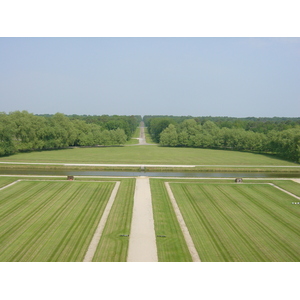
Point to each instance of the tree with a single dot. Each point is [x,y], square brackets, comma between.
[169,136]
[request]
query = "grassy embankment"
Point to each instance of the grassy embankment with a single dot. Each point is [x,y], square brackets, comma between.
[235,222]
[55,220]
[204,159]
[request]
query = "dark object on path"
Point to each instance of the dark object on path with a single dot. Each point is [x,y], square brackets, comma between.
[239,180]
[70,177]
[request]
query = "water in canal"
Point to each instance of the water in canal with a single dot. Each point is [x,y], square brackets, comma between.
[153,174]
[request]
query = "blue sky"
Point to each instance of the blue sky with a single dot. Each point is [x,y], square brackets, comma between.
[235,77]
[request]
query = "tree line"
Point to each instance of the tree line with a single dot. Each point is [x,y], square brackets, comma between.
[24,131]
[280,136]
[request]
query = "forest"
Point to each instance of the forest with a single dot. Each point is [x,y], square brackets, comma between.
[279,136]
[24,131]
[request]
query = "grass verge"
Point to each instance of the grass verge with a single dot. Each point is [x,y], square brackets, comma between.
[113,245]
[171,246]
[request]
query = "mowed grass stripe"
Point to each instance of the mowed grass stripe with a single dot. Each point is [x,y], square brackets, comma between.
[172,247]
[260,230]
[40,228]
[275,204]
[112,247]
[229,223]
[52,207]
[231,232]
[23,194]
[73,243]
[62,204]
[70,243]
[22,208]
[276,207]
[289,185]
[206,238]
[270,234]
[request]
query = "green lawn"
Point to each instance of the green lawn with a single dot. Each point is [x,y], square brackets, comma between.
[50,220]
[149,155]
[240,222]
[6,180]
[112,247]
[289,185]
[172,247]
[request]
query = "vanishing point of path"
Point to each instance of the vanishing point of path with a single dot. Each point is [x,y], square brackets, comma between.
[142,241]
[142,138]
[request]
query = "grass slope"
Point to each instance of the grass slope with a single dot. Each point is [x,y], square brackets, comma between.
[149,155]
[50,221]
[239,222]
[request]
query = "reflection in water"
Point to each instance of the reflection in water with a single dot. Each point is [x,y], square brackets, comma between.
[154,174]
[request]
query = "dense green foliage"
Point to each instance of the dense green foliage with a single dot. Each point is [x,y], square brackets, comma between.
[23,131]
[279,136]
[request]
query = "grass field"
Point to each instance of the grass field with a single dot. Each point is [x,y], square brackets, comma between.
[240,222]
[6,180]
[149,155]
[172,247]
[112,247]
[50,220]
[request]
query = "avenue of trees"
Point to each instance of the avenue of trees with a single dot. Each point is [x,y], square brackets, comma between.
[23,131]
[280,136]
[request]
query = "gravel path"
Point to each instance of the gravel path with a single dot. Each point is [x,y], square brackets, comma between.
[184,229]
[142,241]
[4,187]
[142,138]
[96,238]
[287,192]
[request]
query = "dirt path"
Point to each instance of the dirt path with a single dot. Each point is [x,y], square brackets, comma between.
[142,139]
[142,242]
[97,235]
[184,229]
